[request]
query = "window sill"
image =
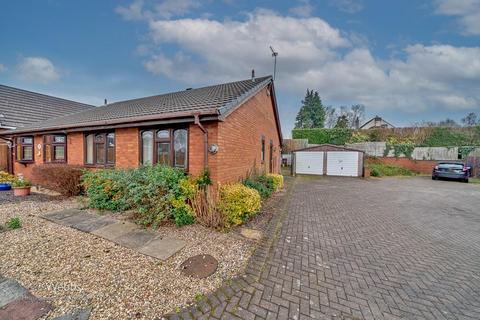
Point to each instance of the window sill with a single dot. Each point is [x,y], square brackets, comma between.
[25,162]
[99,166]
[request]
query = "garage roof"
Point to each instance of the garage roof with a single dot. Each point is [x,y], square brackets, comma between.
[328,147]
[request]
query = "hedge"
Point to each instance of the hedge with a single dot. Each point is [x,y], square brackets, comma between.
[448,137]
[338,136]
[424,137]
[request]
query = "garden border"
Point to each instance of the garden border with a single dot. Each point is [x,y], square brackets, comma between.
[256,264]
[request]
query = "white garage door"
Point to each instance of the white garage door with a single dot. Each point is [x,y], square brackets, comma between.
[342,163]
[309,162]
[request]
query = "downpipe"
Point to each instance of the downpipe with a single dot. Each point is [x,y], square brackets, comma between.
[205,140]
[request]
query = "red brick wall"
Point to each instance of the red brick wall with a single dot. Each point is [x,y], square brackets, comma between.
[127,148]
[196,150]
[419,166]
[239,139]
[75,148]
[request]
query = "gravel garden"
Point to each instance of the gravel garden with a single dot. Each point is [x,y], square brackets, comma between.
[75,270]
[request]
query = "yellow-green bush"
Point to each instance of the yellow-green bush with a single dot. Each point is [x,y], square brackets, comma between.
[238,203]
[7,178]
[277,180]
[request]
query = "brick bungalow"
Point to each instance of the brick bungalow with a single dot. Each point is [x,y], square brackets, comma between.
[20,108]
[230,128]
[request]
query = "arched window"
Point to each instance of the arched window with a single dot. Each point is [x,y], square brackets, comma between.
[147,147]
[165,147]
[100,149]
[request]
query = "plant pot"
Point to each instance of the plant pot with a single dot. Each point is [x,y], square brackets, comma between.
[21,191]
[5,187]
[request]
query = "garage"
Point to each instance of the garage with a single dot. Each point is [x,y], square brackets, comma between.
[329,160]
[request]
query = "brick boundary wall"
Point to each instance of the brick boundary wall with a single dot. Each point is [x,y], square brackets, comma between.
[215,304]
[418,166]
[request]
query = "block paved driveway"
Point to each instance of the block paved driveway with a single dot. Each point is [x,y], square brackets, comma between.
[393,248]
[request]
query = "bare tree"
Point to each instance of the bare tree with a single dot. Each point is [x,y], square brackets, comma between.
[353,115]
[448,123]
[357,115]
[330,117]
[470,119]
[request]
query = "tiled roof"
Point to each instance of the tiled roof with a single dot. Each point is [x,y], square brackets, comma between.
[212,100]
[20,108]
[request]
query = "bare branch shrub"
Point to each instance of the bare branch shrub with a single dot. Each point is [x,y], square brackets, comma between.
[205,204]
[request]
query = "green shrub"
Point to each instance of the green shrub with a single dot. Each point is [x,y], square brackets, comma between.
[442,136]
[400,147]
[277,181]
[107,189]
[264,184]
[257,185]
[183,214]
[374,135]
[338,136]
[383,170]
[359,137]
[156,193]
[14,223]
[204,179]
[238,203]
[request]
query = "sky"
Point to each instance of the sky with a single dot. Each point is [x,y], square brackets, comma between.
[407,61]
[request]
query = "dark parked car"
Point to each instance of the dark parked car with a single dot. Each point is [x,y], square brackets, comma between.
[450,170]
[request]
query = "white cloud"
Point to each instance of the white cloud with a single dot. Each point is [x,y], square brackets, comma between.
[140,10]
[227,49]
[169,8]
[313,54]
[349,6]
[37,69]
[467,12]
[133,12]
[304,9]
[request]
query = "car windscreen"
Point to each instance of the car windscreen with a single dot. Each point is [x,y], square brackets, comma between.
[451,166]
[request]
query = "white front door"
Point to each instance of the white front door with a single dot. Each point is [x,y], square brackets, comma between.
[309,162]
[342,163]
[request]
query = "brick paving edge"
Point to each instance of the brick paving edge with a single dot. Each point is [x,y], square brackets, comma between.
[255,266]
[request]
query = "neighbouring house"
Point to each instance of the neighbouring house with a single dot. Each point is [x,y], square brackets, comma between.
[21,108]
[231,129]
[376,122]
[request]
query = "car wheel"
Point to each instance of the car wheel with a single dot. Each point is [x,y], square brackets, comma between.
[465,180]
[434,178]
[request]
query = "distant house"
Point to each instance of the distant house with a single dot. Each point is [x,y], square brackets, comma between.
[20,108]
[229,128]
[376,122]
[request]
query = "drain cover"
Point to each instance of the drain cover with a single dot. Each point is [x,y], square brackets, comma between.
[200,266]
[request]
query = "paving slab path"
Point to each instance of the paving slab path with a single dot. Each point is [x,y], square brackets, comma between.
[345,248]
[124,233]
[17,303]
